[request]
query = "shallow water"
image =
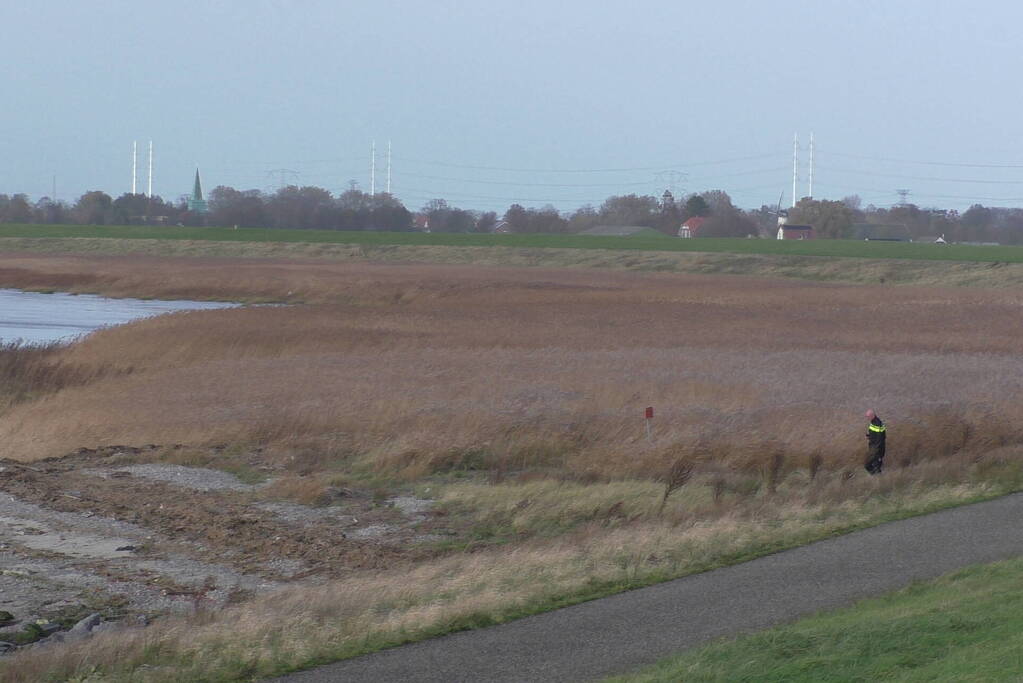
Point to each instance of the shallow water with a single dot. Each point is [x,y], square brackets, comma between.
[35,318]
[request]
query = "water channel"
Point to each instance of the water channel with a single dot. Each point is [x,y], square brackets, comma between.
[35,318]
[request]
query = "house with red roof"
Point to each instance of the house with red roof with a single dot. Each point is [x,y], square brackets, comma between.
[691,228]
[421,222]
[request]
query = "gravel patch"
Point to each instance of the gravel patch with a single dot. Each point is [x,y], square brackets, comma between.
[294,513]
[373,531]
[411,506]
[195,478]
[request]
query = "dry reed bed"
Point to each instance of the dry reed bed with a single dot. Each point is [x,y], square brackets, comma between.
[423,365]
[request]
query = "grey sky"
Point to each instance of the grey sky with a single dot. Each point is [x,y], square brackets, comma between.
[244,87]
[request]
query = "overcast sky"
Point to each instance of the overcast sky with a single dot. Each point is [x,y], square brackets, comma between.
[492,102]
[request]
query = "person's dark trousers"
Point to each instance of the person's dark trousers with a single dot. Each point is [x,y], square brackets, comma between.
[875,459]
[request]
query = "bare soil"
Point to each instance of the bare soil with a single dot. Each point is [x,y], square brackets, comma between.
[102,530]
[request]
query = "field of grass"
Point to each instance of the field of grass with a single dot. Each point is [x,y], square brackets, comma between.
[830,248]
[967,626]
[513,397]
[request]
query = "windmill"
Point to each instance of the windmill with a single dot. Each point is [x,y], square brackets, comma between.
[780,214]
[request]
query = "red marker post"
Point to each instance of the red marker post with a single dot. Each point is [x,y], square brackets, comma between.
[649,419]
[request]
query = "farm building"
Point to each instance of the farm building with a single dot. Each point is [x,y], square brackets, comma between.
[795,232]
[691,227]
[885,232]
[421,222]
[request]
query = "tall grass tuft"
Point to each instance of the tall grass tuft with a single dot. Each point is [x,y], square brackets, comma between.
[28,372]
[678,476]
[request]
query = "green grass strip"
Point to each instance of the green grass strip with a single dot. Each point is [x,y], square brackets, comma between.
[830,248]
[965,626]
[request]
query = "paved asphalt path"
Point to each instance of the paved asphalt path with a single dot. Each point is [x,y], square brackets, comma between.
[629,630]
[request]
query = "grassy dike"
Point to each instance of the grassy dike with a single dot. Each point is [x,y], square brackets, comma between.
[965,626]
[831,248]
[889,265]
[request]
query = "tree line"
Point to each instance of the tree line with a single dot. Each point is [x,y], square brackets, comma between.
[315,208]
[839,220]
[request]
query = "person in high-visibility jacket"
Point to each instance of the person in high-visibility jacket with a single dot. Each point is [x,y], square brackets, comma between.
[875,443]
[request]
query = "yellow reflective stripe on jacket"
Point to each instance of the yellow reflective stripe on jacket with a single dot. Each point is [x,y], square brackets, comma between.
[875,428]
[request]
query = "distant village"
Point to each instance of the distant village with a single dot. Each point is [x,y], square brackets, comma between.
[697,215]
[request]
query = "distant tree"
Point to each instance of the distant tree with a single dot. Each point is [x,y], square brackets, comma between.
[584,218]
[977,222]
[517,218]
[766,219]
[47,210]
[93,208]
[230,207]
[354,200]
[853,201]
[387,213]
[544,220]
[830,219]
[1012,230]
[696,206]
[723,218]
[302,208]
[671,214]
[436,205]
[130,208]
[718,202]
[486,221]
[15,209]
[547,220]
[445,218]
[630,209]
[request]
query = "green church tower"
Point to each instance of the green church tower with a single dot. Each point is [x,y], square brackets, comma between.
[196,204]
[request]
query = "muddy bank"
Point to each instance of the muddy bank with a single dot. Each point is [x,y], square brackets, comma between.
[104,532]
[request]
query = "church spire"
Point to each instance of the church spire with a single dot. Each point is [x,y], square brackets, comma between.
[197,204]
[197,190]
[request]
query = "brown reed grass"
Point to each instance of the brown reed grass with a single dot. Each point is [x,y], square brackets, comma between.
[425,369]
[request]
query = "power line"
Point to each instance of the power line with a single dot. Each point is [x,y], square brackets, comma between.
[927,178]
[922,163]
[588,170]
[887,193]
[515,184]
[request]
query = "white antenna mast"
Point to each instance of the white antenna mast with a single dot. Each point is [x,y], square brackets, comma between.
[373,170]
[150,192]
[134,165]
[810,194]
[795,165]
[388,167]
